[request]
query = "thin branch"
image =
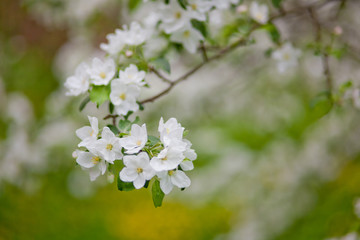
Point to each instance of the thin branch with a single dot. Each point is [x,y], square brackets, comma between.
[220,54]
[113,117]
[157,73]
[326,71]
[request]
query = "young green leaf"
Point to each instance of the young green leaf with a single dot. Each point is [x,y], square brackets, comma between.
[162,63]
[157,194]
[277,3]
[183,3]
[100,94]
[133,4]
[124,125]
[113,129]
[153,140]
[84,103]
[201,26]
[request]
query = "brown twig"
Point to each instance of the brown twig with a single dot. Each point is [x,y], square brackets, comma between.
[113,117]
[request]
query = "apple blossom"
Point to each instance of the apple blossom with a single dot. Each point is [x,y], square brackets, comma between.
[136,140]
[169,179]
[101,72]
[137,169]
[286,56]
[80,82]
[109,146]
[88,134]
[259,12]
[171,130]
[188,36]
[124,97]
[93,162]
[169,158]
[131,75]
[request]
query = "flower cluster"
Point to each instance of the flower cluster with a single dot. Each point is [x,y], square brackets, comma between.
[144,157]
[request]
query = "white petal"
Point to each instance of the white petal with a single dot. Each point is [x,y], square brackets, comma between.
[128,174]
[84,132]
[187,165]
[180,179]
[85,159]
[139,182]
[166,185]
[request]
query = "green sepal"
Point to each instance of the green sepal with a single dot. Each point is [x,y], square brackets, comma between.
[157,194]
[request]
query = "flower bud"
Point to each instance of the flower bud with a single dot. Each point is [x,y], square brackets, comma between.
[338,30]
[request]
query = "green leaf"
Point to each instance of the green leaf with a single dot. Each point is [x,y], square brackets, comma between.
[199,25]
[321,105]
[345,86]
[111,107]
[124,125]
[167,1]
[273,32]
[100,94]
[162,63]
[186,132]
[269,52]
[153,140]
[137,120]
[183,3]
[277,3]
[157,194]
[133,4]
[124,186]
[113,129]
[84,103]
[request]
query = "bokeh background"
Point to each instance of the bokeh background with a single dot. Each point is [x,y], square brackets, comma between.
[275,161]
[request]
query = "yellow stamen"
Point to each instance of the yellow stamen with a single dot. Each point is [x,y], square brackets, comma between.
[171,172]
[186,34]
[102,75]
[139,170]
[194,6]
[164,158]
[178,15]
[167,130]
[109,147]
[122,96]
[95,160]
[138,143]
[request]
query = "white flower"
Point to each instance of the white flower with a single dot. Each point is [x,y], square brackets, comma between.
[169,179]
[259,12]
[190,156]
[171,130]
[101,72]
[93,162]
[133,36]
[137,139]
[88,134]
[109,146]
[116,42]
[188,36]
[124,97]
[137,170]
[136,35]
[286,56]
[174,17]
[169,158]
[132,75]
[80,82]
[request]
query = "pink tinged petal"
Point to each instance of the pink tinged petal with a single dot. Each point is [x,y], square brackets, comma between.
[128,174]
[179,179]
[85,159]
[166,185]
[187,165]
[139,182]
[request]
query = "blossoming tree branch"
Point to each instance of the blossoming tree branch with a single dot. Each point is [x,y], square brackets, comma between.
[124,148]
